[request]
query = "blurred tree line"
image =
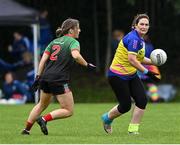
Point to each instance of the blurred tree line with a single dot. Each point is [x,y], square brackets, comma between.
[164,29]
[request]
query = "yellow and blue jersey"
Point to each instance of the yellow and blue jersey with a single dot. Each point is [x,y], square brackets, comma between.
[132,43]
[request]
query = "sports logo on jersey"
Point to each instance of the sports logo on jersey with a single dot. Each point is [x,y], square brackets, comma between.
[135,42]
[141,54]
[61,41]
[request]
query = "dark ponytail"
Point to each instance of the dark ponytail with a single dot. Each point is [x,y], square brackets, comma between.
[66,25]
[58,32]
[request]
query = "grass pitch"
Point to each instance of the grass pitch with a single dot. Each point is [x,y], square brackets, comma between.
[160,125]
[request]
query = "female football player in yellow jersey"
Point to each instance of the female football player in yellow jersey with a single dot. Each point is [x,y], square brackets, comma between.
[123,77]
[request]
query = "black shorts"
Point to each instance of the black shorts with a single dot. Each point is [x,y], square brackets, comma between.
[55,88]
[125,89]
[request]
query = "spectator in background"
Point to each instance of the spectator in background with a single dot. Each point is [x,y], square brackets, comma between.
[26,61]
[14,91]
[20,45]
[24,70]
[28,66]
[45,30]
[30,78]
[5,66]
[152,88]
[117,35]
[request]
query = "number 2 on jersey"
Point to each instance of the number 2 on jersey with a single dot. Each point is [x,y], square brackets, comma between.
[56,49]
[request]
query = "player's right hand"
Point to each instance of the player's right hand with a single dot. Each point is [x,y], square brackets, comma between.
[35,85]
[91,67]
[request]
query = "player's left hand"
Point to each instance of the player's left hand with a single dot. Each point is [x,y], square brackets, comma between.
[35,85]
[153,76]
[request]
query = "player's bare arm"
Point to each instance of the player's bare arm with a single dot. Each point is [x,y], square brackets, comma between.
[42,63]
[134,62]
[147,61]
[78,57]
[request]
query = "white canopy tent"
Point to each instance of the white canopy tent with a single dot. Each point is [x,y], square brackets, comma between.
[15,14]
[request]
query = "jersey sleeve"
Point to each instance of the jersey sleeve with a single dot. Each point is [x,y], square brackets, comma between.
[48,49]
[75,45]
[133,46]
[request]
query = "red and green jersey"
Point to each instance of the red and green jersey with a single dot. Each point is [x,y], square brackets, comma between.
[60,59]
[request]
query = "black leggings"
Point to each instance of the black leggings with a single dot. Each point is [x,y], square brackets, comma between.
[125,89]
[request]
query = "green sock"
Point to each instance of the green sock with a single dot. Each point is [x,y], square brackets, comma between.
[133,127]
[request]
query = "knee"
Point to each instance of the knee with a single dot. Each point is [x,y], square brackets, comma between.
[142,103]
[124,108]
[43,106]
[69,112]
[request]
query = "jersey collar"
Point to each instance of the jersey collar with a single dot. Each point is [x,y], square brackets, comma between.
[70,35]
[135,31]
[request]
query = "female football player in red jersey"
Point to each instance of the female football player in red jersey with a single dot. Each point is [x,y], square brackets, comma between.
[54,74]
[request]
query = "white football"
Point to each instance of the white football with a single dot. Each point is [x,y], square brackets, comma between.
[158,57]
